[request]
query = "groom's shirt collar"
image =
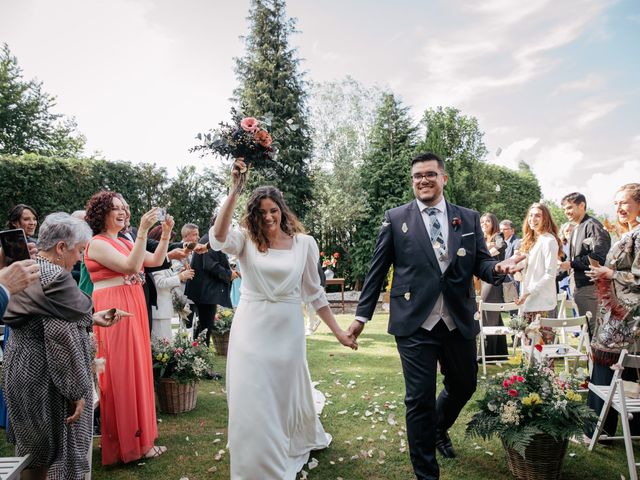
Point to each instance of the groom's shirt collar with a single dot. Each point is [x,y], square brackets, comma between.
[441,205]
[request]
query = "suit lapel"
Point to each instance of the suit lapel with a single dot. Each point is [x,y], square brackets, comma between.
[455,234]
[417,226]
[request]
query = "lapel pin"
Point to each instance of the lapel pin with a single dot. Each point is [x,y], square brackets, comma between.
[407,296]
[461,252]
[405,229]
[436,245]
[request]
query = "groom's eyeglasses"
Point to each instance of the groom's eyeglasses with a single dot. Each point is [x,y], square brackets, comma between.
[418,177]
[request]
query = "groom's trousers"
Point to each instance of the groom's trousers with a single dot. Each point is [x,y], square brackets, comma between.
[419,354]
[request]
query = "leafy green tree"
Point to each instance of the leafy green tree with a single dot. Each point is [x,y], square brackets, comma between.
[27,124]
[511,192]
[342,115]
[272,88]
[457,139]
[385,176]
[193,197]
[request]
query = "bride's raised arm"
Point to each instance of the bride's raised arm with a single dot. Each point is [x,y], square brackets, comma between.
[223,222]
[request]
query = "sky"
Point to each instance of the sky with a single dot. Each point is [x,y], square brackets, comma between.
[555,84]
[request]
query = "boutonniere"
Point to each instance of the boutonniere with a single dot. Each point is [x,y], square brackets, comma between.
[456,222]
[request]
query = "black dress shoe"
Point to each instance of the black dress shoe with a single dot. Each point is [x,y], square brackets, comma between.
[444,446]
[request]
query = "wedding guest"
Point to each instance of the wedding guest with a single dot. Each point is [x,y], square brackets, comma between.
[435,248]
[510,285]
[210,286]
[47,366]
[127,403]
[24,217]
[166,280]
[617,284]
[268,382]
[496,345]
[77,268]
[542,246]
[563,279]
[588,240]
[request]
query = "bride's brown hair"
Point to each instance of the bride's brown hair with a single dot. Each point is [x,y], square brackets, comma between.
[253,223]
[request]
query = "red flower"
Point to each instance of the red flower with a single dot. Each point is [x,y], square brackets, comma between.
[195,344]
[456,221]
[520,378]
[506,384]
[538,347]
[336,255]
[513,393]
[263,138]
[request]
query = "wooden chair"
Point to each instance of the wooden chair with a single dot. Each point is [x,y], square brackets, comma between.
[562,349]
[614,397]
[486,331]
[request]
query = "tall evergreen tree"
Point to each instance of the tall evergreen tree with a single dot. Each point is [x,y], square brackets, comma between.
[27,124]
[385,176]
[271,87]
[457,139]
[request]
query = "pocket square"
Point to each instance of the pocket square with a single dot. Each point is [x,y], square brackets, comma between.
[467,234]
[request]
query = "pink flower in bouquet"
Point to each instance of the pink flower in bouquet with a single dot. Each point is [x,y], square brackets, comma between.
[513,393]
[249,124]
[263,138]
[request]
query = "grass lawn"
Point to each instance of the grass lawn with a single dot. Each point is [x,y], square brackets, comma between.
[364,392]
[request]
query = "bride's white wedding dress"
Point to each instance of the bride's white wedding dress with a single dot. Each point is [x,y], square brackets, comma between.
[273,423]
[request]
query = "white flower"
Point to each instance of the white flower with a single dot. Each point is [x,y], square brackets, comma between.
[461,252]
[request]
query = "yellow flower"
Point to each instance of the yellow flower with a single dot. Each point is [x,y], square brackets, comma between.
[532,399]
[159,357]
[165,358]
[573,396]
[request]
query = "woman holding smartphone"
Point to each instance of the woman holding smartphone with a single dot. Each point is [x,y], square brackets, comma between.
[127,403]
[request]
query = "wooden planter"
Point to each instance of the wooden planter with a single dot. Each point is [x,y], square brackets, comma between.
[543,459]
[174,397]
[221,343]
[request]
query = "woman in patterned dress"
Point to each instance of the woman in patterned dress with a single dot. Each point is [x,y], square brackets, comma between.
[127,401]
[47,365]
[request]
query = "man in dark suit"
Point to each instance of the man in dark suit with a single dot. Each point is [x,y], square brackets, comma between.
[510,286]
[435,248]
[210,286]
[589,240]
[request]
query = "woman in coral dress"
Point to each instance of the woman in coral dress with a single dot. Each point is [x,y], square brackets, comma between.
[127,404]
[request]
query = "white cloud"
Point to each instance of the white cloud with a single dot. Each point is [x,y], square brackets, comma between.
[592,81]
[593,111]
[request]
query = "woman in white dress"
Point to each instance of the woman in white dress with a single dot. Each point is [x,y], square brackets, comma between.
[273,424]
[541,244]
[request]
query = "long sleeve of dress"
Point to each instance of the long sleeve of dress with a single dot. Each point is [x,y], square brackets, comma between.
[166,279]
[233,245]
[312,291]
[66,363]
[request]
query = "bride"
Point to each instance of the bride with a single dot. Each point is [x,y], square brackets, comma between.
[272,419]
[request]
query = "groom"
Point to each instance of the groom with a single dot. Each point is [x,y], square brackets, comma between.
[435,248]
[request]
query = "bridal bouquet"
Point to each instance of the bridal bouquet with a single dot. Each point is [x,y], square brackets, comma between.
[245,138]
[181,304]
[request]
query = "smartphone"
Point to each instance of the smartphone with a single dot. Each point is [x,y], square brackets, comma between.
[162,214]
[14,245]
[110,314]
[594,263]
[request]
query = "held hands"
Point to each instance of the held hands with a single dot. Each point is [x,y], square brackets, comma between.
[510,265]
[108,318]
[346,339]
[355,328]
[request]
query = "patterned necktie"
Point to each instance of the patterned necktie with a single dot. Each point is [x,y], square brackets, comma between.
[437,240]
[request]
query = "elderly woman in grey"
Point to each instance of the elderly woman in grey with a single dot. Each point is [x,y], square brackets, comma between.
[47,364]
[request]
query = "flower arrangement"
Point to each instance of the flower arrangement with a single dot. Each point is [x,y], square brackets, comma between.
[530,400]
[329,260]
[223,320]
[518,324]
[182,359]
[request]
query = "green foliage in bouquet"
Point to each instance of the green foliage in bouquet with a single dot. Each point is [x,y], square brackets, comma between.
[529,400]
[223,320]
[182,359]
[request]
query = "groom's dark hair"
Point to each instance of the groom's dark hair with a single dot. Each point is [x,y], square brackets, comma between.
[427,157]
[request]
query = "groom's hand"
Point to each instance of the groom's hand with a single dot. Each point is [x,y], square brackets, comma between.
[510,265]
[355,328]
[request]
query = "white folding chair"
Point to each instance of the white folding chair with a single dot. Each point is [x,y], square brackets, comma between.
[11,467]
[562,349]
[614,397]
[486,331]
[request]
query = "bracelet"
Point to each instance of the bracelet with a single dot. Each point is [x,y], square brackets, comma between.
[141,237]
[164,238]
